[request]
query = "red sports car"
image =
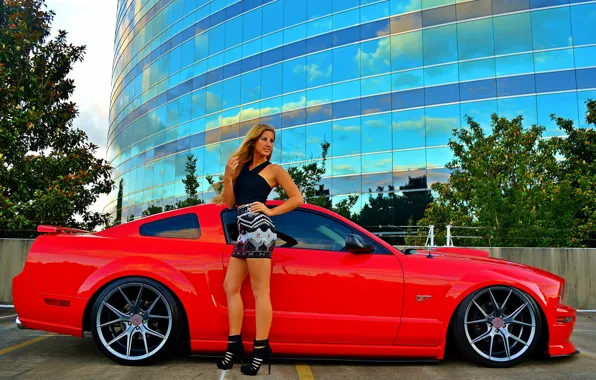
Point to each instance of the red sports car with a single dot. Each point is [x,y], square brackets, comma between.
[337,291]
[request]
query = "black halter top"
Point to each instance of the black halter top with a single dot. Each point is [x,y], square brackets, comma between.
[250,186]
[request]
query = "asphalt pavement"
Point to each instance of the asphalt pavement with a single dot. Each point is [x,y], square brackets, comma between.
[29,354]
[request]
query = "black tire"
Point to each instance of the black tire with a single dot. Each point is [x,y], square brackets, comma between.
[492,351]
[120,295]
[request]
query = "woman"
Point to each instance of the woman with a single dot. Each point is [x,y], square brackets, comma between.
[248,180]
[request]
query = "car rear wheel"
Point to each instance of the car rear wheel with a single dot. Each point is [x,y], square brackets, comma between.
[498,326]
[135,321]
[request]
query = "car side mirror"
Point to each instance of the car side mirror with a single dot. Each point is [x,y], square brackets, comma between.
[355,244]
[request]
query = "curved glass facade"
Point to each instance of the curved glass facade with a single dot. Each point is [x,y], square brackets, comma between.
[384,82]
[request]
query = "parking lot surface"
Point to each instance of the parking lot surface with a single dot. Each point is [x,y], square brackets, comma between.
[29,354]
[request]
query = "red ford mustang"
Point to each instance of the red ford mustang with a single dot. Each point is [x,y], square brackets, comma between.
[337,291]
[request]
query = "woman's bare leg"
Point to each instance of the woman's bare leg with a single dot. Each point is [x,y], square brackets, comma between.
[237,271]
[260,276]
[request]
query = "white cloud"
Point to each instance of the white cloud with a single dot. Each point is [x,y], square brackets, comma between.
[90,23]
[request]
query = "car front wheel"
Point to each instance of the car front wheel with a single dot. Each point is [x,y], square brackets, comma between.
[498,326]
[135,321]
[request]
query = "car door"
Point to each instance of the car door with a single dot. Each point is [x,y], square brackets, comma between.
[321,293]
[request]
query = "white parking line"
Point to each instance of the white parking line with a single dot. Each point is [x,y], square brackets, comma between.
[8,316]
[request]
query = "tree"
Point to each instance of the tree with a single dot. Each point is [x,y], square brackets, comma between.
[507,185]
[579,170]
[48,169]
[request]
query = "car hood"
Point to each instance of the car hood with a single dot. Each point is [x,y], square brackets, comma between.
[463,255]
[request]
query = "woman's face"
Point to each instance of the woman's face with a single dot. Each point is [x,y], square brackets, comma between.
[264,144]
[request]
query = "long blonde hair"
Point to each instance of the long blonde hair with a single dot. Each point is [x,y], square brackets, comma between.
[244,153]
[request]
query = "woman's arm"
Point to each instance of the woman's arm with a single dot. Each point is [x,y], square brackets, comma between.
[294,197]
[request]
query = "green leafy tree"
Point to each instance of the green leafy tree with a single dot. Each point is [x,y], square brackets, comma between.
[48,169]
[505,184]
[579,170]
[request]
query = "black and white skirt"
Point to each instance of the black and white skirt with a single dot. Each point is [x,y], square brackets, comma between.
[256,235]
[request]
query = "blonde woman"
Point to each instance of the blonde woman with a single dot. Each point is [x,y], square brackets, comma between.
[249,178]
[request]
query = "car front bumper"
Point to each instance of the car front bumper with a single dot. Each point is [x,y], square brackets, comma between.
[560,331]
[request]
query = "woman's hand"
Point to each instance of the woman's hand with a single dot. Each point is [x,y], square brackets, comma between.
[231,166]
[259,207]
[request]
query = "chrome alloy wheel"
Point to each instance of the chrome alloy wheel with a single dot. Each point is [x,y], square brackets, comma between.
[500,324]
[134,321]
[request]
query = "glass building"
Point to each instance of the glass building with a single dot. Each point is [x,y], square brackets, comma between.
[384,82]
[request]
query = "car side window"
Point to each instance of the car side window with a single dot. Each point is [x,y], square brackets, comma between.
[302,229]
[184,226]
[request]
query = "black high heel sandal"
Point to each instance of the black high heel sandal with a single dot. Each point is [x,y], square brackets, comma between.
[260,354]
[235,350]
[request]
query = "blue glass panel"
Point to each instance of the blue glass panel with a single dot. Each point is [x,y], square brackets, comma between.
[231,92]
[506,6]
[479,111]
[586,78]
[296,33]
[438,16]
[551,28]
[251,63]
[319,95]
[406,51]
[562,105]
[440,44]
[321,42]
[272,56]
[554,60]
[477,69]
[318,69]
[408,129]
[291,118]
[438,157]
[212,159]
[294,141]
[317,134]
[375,56]
[522,106]
[585,57]
[294,50]
[547,3]
[518,85]
[375,29]
[319,113]
[346,36]
[513,33]
[197,140]
[401,6]
[475,39]
[271,13]
[555,81]
[442,94]
[515,64]
[271,81]
[318,8]
[478,89]
[583,19]
[345,63]
[294,12]
[407,99]
[400,24]
[294,75]
[350,184]
[345,19]
[346,108]
[214,98]
[252,25]
[347,165]
[441,74]
[376,134]
[407,80]
[346,136]
[440,122]
[251,87]
[376,85]
[409,160]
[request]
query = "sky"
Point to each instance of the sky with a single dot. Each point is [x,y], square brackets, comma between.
[91,23]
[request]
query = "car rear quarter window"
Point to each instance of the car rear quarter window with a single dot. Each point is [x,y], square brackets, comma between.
[184,226]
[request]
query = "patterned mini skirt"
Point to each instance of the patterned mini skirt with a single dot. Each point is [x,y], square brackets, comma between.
[256,235]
